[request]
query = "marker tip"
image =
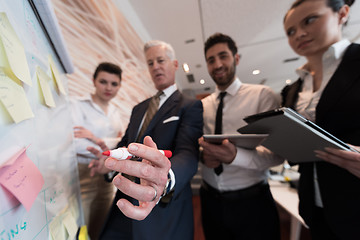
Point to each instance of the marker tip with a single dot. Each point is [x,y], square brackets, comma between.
[167,153]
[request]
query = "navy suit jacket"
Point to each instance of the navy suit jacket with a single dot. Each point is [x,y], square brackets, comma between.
[338,112]
[176,126]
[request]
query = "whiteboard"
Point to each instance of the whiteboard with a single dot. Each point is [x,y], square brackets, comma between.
[48,137]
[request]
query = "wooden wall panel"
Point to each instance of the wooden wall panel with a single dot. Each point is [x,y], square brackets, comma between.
[96,31]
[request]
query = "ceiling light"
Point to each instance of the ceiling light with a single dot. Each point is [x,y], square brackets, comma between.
[288,81]
[256,72]
[202,81]
[186,67]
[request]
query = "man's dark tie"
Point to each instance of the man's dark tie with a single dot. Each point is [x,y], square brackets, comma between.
[218,125]
[152,109]
[150,112]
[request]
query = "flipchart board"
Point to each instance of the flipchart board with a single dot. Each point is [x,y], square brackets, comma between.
[39,186]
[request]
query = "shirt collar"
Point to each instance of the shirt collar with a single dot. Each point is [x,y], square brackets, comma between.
[86,97]
[169,91]
[335,52]
[232,89]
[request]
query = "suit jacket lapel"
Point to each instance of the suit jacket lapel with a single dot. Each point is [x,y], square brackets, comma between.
[168,105]
[342,79]
[137,118]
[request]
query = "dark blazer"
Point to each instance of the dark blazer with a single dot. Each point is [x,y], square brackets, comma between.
[338,112]
[176,126]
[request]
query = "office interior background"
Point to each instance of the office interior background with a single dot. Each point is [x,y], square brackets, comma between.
[115,31]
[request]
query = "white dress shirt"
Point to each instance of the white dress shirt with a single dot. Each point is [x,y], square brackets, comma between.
[167,93]
[249,166]
[89,115]
[162,98]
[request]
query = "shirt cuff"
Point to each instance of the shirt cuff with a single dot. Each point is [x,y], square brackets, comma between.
[243,157]
[170,184]
[172,180]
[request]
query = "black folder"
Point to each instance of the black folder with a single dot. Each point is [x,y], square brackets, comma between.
[291,135]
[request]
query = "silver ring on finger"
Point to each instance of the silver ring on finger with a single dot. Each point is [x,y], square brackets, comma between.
[154,195]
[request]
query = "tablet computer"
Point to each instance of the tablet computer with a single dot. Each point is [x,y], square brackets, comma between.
[249,141]
[291,135]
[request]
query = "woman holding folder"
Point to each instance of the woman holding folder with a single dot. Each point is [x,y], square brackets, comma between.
[346,159]
[327,92]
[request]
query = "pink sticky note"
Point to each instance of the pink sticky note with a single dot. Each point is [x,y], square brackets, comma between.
[22,178]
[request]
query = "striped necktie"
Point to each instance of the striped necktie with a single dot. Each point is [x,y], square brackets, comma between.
[152,109]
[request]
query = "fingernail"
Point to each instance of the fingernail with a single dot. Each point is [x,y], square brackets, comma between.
[120,204]
[109,162]
[116,180]
[133,147]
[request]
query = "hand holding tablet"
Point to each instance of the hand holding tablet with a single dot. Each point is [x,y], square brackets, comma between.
[249,141]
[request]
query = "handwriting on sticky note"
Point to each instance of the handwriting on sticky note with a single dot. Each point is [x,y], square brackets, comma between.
[12,51]
[13,97]
[22,178]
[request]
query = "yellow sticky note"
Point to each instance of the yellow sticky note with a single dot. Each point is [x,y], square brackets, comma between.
[13,97]
[12,53]
[44,80]
[70,225]
[57,229]
[4,63]
[74,207]
[56,76]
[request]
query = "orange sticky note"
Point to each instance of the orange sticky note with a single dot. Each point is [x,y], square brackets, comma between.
[22,178]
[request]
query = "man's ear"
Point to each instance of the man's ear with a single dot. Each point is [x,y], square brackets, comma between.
[237,58]
[176,63]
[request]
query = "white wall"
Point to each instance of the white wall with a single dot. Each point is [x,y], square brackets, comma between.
[128,11]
